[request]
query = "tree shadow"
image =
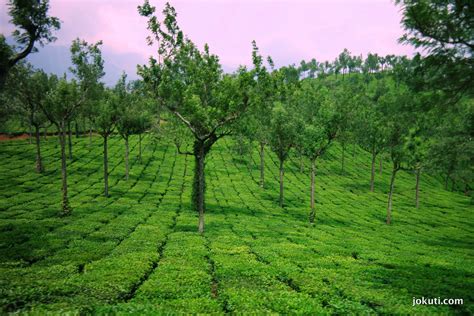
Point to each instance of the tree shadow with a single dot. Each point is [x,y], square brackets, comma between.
[429,281]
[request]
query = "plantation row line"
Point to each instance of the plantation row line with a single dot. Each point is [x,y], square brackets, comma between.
[380,104]
[215,265]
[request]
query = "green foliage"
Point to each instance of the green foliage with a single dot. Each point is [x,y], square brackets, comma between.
[284,129]
[31,89]
[444,28]
[107,113]
[319,116]
[62,101]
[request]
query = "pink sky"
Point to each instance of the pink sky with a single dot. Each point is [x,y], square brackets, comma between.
[289,30]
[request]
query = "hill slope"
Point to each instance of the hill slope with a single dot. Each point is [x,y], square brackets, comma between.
[139,251]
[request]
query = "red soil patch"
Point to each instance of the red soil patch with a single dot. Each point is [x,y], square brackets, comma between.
[4,137]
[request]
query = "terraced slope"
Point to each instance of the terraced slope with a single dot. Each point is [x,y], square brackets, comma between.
[138,251]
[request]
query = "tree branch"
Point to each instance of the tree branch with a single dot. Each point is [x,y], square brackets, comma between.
[188,124]
[183,152]
[23,54]
[221,123]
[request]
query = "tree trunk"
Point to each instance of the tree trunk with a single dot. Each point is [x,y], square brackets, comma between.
[313,212]
[262,165]
[241,146]
[90,136]
[301,163]
[372,174]
[45,133]
[140,148]
[62,140]
[199,186]
[106,169]
[390,195]
[417,188]
[126,158]
[77,128]
[381,165]
[281,182]
[39,165]
[342,157]
[69,139]
[30,133]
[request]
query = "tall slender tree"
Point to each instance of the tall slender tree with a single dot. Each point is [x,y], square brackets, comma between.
[284,128]
[31,90]
[105,124]
[261,97]
[88,68]
[60,105]
[320,128]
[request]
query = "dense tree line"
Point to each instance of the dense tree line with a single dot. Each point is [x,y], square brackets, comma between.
[383,104]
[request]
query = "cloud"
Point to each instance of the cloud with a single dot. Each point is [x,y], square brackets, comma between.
[287,30]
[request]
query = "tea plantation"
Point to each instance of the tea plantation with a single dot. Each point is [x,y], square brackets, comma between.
[139,252]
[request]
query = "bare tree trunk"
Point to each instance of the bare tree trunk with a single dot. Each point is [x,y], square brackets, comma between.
[140,148]
[390,195]
[262,165]
[199,183]
[282,172]
[39,165]
[62,140]
[241,146]
[343,156]
[313,211]
[126,158]
[30,133]
[106,169]
[381,165]
[249,158]
[77,128]
[417,188]
[69,139]
[372,174]
[301,163]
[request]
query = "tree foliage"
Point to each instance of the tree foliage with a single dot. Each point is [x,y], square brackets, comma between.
[33,25]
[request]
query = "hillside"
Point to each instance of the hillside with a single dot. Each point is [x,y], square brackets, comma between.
[139,251]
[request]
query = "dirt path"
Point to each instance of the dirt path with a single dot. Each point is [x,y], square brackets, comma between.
[5,137]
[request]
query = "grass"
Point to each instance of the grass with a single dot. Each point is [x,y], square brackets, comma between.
[139,252]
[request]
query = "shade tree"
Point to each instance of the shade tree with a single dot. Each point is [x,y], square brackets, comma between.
[369,125]
[190,84]
[284,130]
[320,126]
[88,69]
[62,101]
[132,117]
[31,88]
[105,124]
[396,105]
[262,96]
